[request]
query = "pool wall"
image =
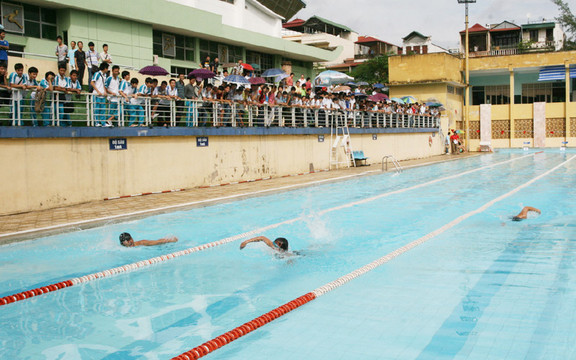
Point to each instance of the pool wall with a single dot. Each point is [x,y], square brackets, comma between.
[43,173]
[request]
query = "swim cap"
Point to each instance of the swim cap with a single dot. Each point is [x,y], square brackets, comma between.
[124,237]
[282,243]
[516,218]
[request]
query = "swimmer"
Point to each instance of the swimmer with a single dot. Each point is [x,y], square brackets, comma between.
[280,244]
[126,240]
[524,213]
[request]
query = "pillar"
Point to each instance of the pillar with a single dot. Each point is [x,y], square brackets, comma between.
[567,101]
[511,114]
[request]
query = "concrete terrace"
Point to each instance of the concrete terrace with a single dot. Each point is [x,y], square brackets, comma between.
[31,225]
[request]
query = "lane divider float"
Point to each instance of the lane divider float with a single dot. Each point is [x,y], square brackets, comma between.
[144,263]
[246,328]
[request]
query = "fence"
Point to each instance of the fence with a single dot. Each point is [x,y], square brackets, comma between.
[91,110]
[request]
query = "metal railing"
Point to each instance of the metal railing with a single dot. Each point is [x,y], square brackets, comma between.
[87,109]
[394,161]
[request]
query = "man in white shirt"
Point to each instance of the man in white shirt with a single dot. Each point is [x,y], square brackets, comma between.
[92,62]
[99,98]
[112,89]
[61,85]
[71,55]
[74,87]
[105,56]
[17,81]
[32,84]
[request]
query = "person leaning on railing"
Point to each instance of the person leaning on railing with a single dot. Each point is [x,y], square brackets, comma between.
[5,92]
[192,92]
[34,85]
[99,98]
[43,102]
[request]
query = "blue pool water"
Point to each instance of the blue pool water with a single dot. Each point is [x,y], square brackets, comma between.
[487,288]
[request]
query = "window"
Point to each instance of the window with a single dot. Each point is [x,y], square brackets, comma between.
[38,22]
[550,35]
[180,70]
[543,92]
[173,46]
[478,95]
[451,90]
[264,61]
[495,95]
[534,35]
[506,40]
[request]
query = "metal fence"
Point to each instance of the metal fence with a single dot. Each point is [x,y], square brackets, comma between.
[20,109]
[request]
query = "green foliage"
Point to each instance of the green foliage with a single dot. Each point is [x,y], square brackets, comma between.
[568,21]
[372,71]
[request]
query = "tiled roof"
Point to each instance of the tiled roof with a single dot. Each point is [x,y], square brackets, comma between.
[294,23]
[475,28]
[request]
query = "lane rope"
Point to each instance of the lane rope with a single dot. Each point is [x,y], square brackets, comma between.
[145,263]
[248,327]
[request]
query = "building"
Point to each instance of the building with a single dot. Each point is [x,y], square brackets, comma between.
[180,33]
[417,43]
[367,47]
[507,38]
[516,100]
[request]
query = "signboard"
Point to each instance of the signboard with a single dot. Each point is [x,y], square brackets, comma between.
[118,144]
[168,45]
[374,136]
[320,138]
[202,141]
[13,18]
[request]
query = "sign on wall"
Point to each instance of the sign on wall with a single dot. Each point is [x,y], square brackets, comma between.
[320,138]
[118,144]
[168,45]
[13,18]
[374,136]
[202,141]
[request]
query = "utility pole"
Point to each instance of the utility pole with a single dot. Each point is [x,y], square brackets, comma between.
[467,98]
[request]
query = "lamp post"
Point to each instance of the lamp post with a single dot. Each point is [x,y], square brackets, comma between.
[467,99]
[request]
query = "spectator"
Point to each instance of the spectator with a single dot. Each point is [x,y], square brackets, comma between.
[239,68]
[105,56]
[92,61]
[180,107]
[125,90]
[4,47]
[290,80]
[80,62]
[214,65]
[17,81]
[206,64]
[61,52]
[4,91]
[74,87]
[71,55]
[112,89]
[33,85]
[302,81]
[134,108]
[163,107]
[308,84]
[61,85]
[137,101]
[191,93]
[47,84]
[99,87]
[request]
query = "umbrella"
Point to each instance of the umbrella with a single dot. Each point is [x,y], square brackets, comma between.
[378,97]
[362,83]
[236,79]
[341,89]
[256,66]
[153,70]
[281,77]
[331,77]
[409,99]
[378,86]
[273,72]
[247,67]
[351,83]
[359,94]
[201,73]
[434,104]
[257,81]
[397,100]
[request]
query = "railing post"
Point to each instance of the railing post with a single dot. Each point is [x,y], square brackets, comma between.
[89,114]
[173,112]
[56,110]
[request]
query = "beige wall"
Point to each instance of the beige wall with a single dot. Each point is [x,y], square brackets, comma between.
[439,67]
[48,173]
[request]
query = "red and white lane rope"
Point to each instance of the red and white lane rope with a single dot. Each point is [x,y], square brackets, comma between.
[246,328]
[144,263]
[211,186]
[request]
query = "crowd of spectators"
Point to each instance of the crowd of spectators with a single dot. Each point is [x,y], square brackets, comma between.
[193,98]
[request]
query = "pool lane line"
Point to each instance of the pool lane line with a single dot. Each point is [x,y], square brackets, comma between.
[144,263]
[250,326]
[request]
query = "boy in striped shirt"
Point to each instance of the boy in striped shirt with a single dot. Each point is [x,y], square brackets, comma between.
[17,81]
[113,88]
[74,87]
[98,84]
[32,84]
[126,92]
[137,101]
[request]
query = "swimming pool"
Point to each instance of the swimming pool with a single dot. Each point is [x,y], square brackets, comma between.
[485,287]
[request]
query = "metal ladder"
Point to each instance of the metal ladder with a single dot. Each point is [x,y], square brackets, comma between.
[340,140]
[394,161]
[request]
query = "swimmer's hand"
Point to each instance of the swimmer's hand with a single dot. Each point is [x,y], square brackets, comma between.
[243,245]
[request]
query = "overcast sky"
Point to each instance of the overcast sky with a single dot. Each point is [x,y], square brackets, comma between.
[391,20]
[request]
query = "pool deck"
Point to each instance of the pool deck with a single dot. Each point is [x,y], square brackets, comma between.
[31,225]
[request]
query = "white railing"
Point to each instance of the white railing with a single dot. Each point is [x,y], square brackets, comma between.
[93,111]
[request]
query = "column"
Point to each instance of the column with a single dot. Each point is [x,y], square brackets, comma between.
[567,101]
[197,51]
[512,124]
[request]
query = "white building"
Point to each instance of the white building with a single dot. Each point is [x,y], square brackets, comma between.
[417,43]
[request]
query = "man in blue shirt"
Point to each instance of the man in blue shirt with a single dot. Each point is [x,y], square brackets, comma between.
[4,47]
[17,81]
[98,84]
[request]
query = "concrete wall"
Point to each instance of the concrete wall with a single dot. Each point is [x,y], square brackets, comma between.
[429,68]
[48,173]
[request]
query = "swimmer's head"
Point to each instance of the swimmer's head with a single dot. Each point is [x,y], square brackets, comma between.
[282,243]
[517,218]
[126,239]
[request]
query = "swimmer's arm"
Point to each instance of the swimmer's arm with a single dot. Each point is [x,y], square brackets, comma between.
[257,239]
[155,242]
[529,208]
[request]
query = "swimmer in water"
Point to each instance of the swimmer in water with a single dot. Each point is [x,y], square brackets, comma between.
[524,213]
[126,240]
[280,244]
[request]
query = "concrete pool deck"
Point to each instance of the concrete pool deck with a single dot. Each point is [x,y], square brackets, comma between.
[31,225]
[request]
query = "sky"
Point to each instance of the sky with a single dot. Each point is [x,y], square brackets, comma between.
[391,20]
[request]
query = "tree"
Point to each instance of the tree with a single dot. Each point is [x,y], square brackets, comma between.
[372,71]
[568,21]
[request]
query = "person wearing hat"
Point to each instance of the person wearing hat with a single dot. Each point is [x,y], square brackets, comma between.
[127,240]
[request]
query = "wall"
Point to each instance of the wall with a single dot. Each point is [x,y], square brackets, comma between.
[520,61]
[439,67]
[48,173]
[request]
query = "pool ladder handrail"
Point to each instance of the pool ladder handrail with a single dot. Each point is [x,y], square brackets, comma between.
[394,161]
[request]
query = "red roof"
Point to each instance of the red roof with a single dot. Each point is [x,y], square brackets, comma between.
[369,39]
[475,28]
[294,23]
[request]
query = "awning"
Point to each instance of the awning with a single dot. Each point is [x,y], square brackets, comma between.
[550,73]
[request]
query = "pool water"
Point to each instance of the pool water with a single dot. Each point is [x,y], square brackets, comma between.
[488,288]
